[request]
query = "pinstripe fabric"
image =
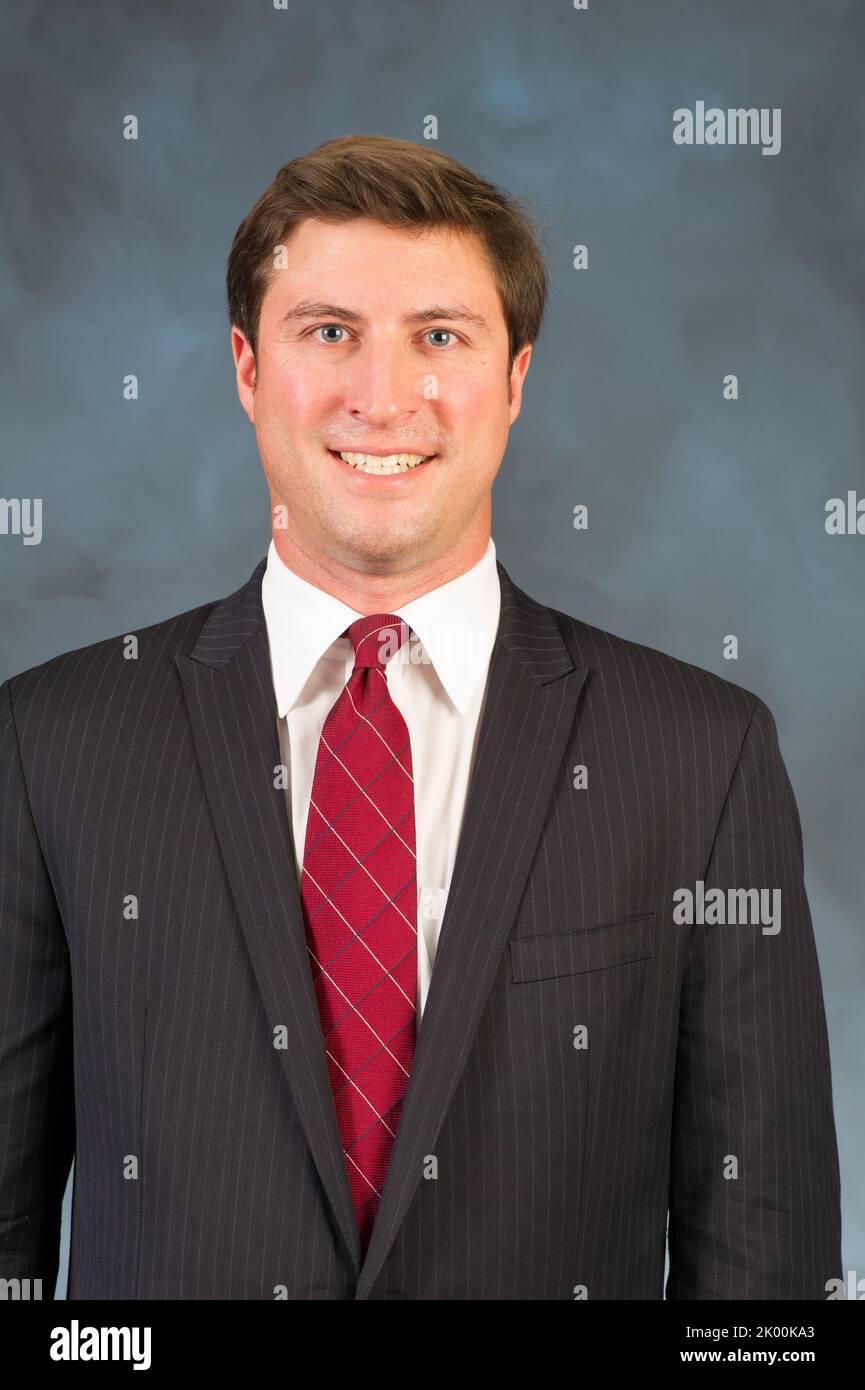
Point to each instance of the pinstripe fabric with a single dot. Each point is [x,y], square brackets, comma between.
[145,857]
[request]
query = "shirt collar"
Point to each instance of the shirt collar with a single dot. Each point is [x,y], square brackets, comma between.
[456,624]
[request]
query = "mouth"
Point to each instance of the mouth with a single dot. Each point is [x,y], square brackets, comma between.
[381,465]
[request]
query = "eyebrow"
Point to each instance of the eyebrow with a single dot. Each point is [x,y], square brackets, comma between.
[312,308]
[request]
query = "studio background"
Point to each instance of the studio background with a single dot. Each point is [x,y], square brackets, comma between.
[706,515]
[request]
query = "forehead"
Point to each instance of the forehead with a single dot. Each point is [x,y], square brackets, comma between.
[372,267]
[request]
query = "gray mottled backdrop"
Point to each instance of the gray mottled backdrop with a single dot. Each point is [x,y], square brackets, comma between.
[706,515]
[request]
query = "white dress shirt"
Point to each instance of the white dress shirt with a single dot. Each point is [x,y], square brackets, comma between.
[438,682]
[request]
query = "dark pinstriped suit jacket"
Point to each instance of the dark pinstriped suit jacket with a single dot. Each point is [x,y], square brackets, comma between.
[179,1051]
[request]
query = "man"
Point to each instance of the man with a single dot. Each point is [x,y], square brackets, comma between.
[349,908]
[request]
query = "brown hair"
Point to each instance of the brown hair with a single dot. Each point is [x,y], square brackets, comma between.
[401,184]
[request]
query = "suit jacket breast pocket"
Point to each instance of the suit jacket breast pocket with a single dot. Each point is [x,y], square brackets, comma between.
[590,948]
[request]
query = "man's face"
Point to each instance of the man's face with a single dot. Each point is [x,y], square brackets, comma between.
[374,340]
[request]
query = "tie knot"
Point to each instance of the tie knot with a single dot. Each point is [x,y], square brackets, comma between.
[376,638]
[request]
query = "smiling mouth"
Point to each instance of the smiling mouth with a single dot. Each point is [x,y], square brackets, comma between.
[381,465]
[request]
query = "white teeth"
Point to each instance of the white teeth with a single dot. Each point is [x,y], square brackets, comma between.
[387,463]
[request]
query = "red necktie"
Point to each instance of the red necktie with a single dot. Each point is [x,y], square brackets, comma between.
[359,895]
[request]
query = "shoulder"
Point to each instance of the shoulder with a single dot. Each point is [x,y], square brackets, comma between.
[631,681]
[87,676]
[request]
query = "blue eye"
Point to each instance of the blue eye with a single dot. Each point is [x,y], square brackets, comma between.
[339,328]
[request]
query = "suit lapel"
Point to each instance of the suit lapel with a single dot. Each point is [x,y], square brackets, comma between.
[529,713]
[228,687]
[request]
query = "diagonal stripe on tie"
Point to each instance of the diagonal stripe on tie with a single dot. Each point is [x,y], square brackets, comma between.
[359,896]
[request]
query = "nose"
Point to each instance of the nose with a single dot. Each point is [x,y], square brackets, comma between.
[383,385]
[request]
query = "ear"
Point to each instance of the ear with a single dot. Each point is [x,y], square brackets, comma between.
[518,376]
[244,364]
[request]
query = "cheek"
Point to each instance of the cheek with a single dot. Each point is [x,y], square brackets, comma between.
[295,392]
[476,407]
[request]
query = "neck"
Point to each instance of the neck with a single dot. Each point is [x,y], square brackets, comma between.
[373,592]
